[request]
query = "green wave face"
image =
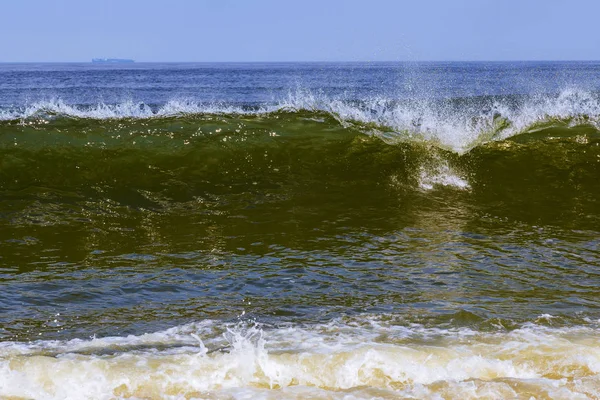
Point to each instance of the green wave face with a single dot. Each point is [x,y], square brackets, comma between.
[181,158]
[547,173]
[231,191]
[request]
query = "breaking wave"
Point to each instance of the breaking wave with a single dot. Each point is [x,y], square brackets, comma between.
[458,124]
[517,153]
[422,145]
[363,357]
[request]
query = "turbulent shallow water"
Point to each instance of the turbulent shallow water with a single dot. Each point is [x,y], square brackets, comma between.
[300,231]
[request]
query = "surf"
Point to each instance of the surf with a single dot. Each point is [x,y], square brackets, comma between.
[414,145]
[360,356]
[455,123]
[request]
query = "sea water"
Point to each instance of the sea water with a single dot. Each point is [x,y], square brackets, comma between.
[301,230]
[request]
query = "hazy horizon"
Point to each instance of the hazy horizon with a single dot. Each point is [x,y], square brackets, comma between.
[304,61]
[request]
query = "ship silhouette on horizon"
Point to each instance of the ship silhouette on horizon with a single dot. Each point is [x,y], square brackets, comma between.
[111,60]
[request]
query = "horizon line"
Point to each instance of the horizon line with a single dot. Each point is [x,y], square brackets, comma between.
[304,61]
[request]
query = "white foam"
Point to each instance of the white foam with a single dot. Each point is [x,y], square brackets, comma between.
[364,358]
[441,175]
[456,129]
[126,109]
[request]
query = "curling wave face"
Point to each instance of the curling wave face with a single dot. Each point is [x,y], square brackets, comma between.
[531,150]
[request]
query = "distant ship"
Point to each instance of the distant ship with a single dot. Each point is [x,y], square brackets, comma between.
[111,60]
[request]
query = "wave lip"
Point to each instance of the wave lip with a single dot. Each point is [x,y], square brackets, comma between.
[125,110]
[332,360]
[457,124]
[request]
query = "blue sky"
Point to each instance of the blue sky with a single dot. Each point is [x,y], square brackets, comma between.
[307,30]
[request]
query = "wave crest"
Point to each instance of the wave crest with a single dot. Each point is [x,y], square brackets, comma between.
[457,124]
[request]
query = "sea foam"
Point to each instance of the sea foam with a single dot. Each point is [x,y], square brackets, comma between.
[457,124]
[361,358]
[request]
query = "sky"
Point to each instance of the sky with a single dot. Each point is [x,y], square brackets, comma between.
[294,30]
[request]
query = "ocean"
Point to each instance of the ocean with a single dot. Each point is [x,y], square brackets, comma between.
[300,230]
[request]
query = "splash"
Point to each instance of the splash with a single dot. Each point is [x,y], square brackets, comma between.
[457,124]
[442,175]
[365,358]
